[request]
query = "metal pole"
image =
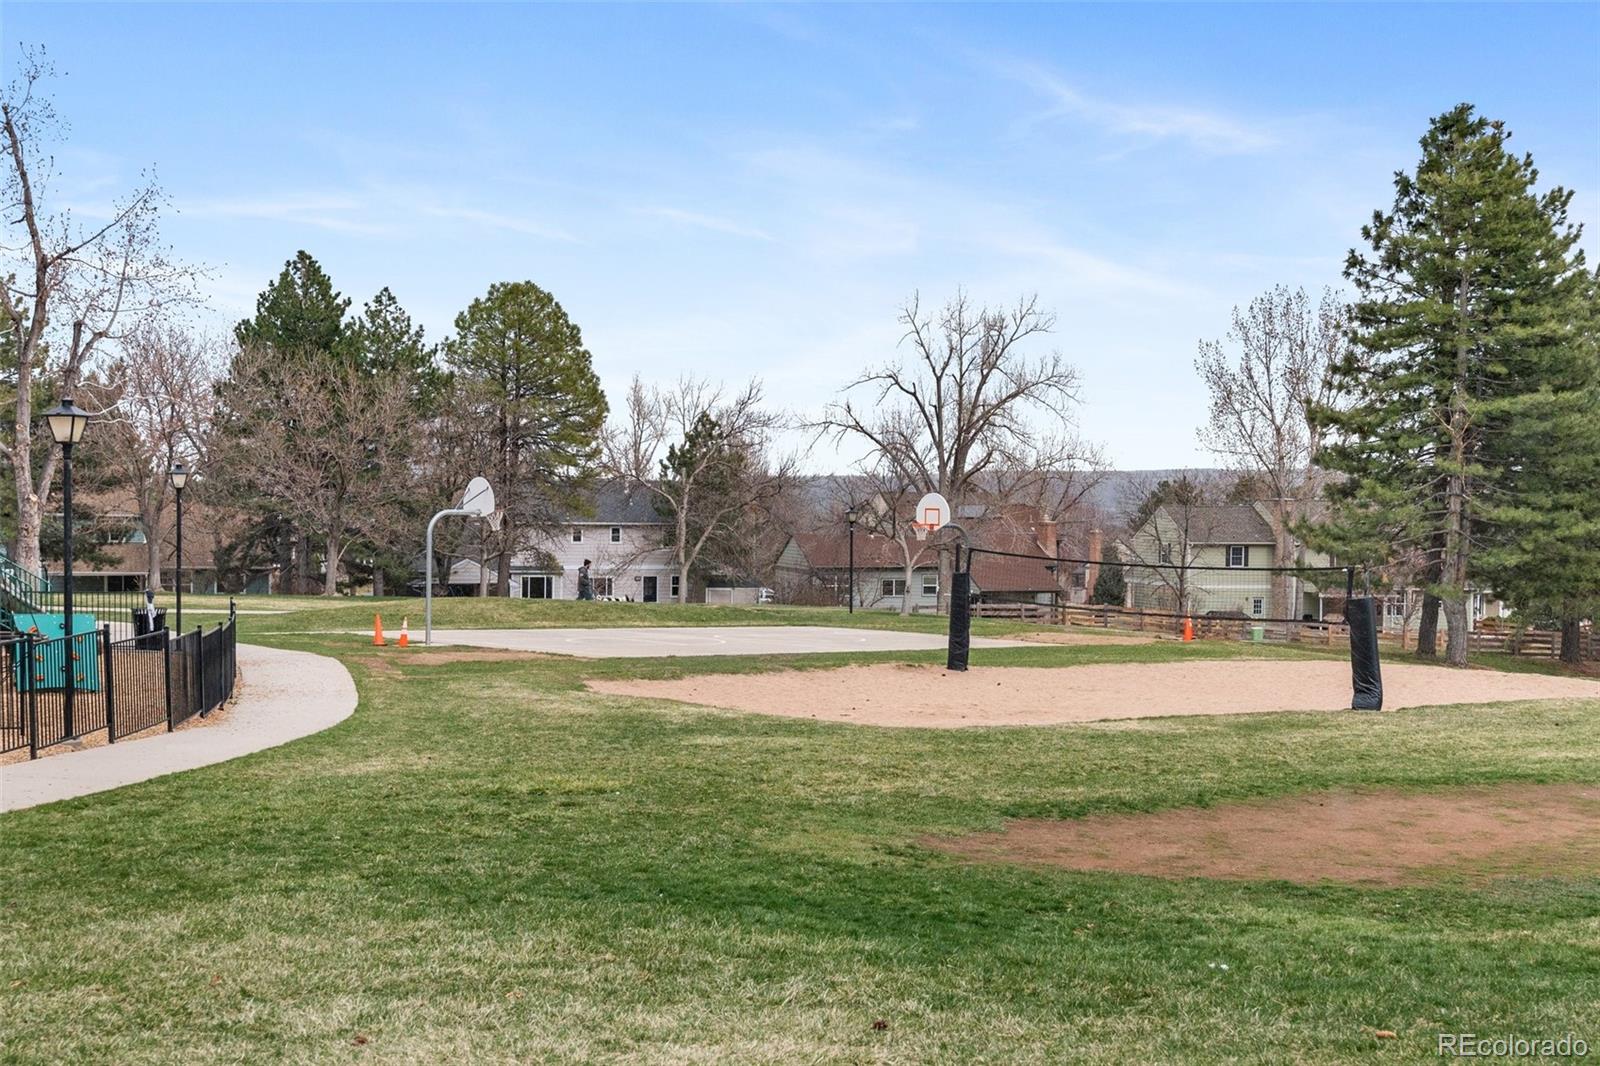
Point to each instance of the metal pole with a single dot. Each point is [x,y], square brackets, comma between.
[177,580]
[852,592]
[68,726]
[427,584]
[107,683]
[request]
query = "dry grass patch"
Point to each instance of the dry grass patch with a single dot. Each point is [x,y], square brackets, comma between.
[1371,838]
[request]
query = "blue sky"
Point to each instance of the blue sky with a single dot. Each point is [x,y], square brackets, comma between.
[728,190]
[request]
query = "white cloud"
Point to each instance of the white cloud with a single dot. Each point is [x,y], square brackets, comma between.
[712,223]
[1207,131]
[333,213]
[496,220]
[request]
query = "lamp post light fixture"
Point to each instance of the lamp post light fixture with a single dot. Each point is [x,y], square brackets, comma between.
[67,423]
[852,514]
[178,476]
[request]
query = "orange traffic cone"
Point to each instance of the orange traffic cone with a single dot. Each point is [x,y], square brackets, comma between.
[377,631]
[405,634]
[1188,629]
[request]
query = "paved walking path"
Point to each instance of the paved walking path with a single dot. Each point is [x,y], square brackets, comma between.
[284,695]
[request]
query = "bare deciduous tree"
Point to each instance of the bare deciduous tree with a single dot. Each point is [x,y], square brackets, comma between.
[969,401]
[155,403]
[706,456]
[70,286]
[885,507]
[342,471]
[1264,380]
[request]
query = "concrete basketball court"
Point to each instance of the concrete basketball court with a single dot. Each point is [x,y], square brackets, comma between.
[666,642]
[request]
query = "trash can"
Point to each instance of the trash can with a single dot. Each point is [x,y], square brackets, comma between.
[1258,633]
[147,631]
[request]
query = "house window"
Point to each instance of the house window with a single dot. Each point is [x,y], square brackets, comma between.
[1164,553]
[602,586]
[894,586]
[674,586]
[930,584]
[1238,555]
[616,534]
[538,587]
[577,536]
[1258,606]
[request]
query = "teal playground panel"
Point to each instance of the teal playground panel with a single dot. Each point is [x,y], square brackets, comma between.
[47,673]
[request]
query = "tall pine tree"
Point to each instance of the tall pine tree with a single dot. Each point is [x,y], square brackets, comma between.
[1467,276]
[1538,526]
[529,385]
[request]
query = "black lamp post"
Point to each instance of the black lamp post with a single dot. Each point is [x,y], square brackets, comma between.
[850,515]
[179,477]
[67,423]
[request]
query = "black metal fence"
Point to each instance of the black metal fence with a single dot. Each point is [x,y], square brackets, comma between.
[122,687]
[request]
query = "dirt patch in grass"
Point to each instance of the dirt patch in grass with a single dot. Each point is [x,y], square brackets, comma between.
[393,661]
[1081,637]
[890,694]
[1379,838]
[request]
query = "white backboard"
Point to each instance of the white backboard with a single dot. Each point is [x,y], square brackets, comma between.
[933,511]
[479,497]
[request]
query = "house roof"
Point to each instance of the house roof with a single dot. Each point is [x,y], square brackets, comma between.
[1008,531]
[1229,523]
[829,549]
[616,503]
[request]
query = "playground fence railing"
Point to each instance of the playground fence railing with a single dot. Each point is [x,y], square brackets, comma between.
[119,687]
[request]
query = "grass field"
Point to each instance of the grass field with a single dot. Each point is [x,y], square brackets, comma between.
[487,863]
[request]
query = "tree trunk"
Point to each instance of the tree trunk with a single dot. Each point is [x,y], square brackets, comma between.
[1455,617]
[683,584]
[377,581]
[302,564]
[1428,627]
[330,579]
[502,576]
[152,563]
[1571,641]
[905,601]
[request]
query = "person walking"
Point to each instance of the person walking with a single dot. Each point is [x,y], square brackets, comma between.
[585,582]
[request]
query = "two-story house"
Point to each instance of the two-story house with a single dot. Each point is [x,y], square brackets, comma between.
[623,536]
[1214,559]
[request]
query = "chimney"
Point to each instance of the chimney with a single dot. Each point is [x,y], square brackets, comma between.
[1095,549]
[1044,532]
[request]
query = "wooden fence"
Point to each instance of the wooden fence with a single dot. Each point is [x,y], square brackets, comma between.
[1533,643]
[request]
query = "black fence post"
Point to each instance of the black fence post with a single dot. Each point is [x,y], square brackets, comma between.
[200,667]
[166,671]
[33,698]
[107,686]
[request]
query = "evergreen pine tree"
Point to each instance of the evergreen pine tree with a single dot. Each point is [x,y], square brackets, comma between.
[1469,270]
[530,385]
[1538,527]
[1110,587]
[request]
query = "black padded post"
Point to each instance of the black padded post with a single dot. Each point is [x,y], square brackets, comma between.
[960,620]
[1366,675]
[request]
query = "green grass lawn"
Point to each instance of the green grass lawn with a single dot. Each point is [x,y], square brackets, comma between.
[489,864]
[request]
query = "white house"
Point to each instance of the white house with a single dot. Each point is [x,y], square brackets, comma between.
[621,534]
[624,538]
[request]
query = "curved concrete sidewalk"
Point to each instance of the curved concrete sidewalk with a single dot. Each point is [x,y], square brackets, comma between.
[283,695]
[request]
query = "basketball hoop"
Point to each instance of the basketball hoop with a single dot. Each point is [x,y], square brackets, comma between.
[933,512]
[495,519]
